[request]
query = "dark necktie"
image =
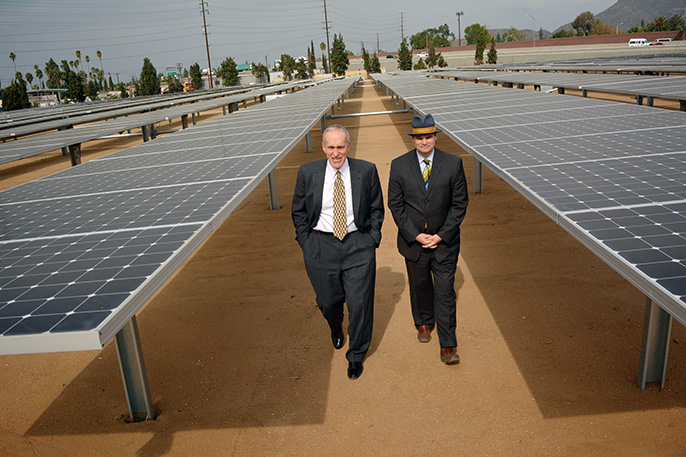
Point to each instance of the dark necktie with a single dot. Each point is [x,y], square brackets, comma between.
[426,173]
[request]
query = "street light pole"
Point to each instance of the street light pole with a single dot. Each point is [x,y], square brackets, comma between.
[459,32]
[534,28]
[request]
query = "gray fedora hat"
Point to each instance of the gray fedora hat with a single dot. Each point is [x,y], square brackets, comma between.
[423,125]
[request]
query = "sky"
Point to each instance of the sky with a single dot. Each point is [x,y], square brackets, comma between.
[171,31]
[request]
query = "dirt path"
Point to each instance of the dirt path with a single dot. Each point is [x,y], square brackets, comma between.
[548,335]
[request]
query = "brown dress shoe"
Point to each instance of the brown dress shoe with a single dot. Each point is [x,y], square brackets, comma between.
[449,356]
[424,334]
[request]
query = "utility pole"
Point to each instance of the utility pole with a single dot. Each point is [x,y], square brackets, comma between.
[534,28]
[459,32]
[328,46]
[402,28]
[207,44]
[377,43]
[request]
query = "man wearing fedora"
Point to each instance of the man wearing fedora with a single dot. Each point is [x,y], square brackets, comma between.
[427,196]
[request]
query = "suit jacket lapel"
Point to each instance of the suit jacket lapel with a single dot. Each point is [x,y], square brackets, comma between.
[355,184]
[435,168]
[318,189]
[416,170]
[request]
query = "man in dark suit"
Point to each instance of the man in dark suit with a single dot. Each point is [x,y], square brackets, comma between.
[427,195]
[337,212]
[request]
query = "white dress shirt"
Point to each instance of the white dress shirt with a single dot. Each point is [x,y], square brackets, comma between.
[325,223]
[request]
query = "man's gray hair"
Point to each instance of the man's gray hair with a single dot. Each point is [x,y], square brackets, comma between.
[336,127]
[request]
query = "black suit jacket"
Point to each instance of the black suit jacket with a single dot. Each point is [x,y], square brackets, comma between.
[441,207]
[368,209]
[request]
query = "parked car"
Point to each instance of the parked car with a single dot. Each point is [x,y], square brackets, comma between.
[390,56]
[663,40]
[423,54]
[638,42]
[654,43]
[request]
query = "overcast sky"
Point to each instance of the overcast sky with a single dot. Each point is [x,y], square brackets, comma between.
[171,31]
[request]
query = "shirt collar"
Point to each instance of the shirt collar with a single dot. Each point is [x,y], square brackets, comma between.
[421,157]
[331,170]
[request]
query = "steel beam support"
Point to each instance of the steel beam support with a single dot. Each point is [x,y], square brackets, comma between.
[75,154]
[308,142]
[478,176]
[133,372]
[323,123]
[657,330]
[273,190]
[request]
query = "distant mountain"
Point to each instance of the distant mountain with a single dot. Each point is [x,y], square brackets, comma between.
[627,13]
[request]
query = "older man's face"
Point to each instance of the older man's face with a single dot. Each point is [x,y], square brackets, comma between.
[424,144]
[336,147]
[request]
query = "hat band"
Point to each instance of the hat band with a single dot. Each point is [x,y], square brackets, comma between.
[424,130]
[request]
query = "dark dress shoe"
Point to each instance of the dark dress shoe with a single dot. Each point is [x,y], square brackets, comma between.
[338,338]
[355,370]
[449,356]
[424,334]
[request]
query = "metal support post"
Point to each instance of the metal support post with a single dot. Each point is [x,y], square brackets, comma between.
[75,154]
[133,372]
[323,123]
[273,190]
[153,132]
[231,108]
[657,329]
[193,117]
[245,104]
[308,142]
[223,110]
[333,110]
[584,93]
[650,101]
[146,133]
[478,176]
[639,99]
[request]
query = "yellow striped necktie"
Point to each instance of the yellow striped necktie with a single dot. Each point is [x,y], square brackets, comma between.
[340,217]
[426,173]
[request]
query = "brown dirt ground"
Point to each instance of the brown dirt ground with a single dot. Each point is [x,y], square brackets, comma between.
[548,334]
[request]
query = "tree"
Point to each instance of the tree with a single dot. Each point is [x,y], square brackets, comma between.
[476,33]
[562,33]
[339,57]
[311,60]
[78,56]
[29,78]
[88,63]
[432,58]
[111,83]
[14,96]
[419,65]
[39,75]
[492,56]
[300,69]
[74,86]
[365,60]
[261,71]
[515,35]
[404,56]
[227,72]
[675,22]
[479,53]
[583,24]
[149,83]
[99,54]
[123,93]
[441,62]
[91,90]
[287,66]
[659,24]
[173,84]
[601,28]
[52,71]
[375,65]
[196,76]
[441,37]
[13,57]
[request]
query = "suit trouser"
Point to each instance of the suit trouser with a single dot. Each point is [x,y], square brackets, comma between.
[344,271]
[432,295]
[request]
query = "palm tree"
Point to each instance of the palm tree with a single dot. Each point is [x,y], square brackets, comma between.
[13,56]
[39,75]
[659,24]
[78,56]
[88,59]
[99,54]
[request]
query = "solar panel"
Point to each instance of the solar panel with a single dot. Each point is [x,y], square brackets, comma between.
[83,249]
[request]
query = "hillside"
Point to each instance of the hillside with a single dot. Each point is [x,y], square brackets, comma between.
[627,13]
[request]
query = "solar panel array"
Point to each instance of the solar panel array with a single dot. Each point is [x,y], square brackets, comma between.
[38,144]
[83,249]
[612,174]
[667,87]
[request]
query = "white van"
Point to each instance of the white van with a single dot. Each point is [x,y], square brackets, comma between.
[663,40]
[638,42]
